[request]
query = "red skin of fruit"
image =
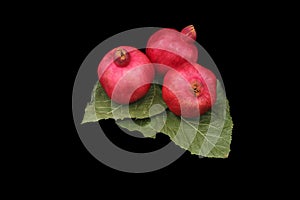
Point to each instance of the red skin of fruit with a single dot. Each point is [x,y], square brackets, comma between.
[128,83]
[168,48]
[190,90]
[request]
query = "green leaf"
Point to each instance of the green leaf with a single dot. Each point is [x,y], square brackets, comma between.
[208,136]
[148,126]
[101,107]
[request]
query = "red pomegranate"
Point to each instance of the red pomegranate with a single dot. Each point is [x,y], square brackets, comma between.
[167,48]
[190,90]
[126,74]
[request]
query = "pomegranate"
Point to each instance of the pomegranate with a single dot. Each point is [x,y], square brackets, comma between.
[126,74]
[167,48]
[190,90]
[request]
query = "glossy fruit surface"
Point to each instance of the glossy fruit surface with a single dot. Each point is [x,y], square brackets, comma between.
[168,48]
[126,74]
[190,90]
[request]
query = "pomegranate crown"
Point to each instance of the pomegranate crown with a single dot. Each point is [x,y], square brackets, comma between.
[189,31]
[121,57]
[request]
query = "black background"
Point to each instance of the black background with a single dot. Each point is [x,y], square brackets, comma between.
[49,41]
[231,36]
